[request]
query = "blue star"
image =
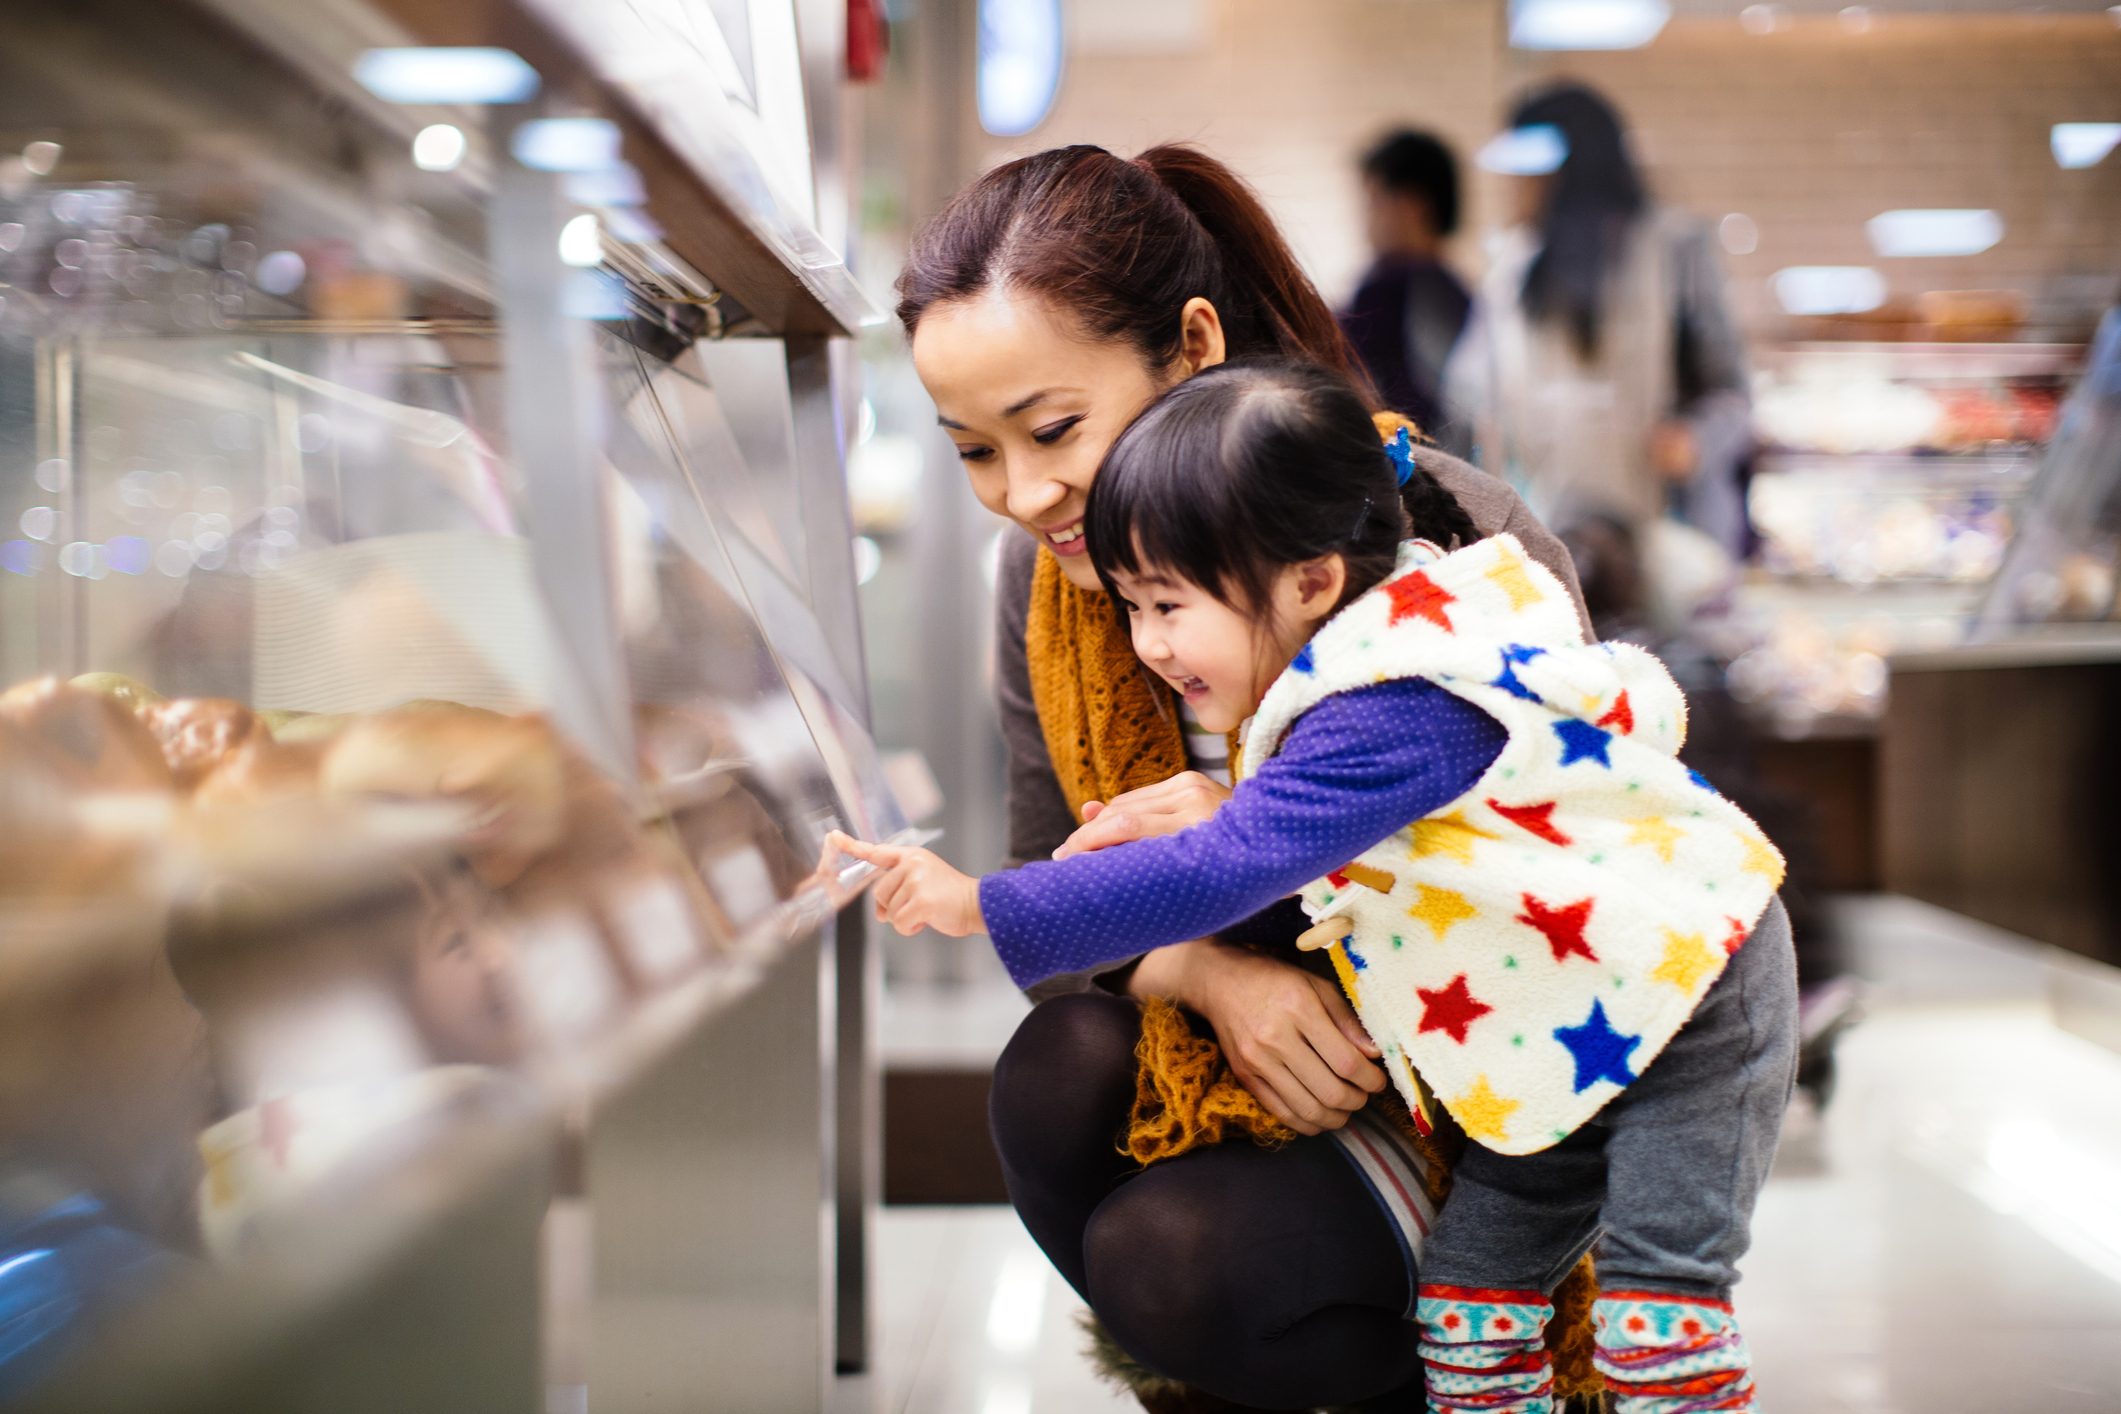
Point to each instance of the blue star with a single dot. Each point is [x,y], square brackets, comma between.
[1700,780]
[1355,959]
[1302,662]
[1580,741]
[1601,1052]
[1512,655]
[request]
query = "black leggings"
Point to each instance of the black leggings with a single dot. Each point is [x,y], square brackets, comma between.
[1269,1277]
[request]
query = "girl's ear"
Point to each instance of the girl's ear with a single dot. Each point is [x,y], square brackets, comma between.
[1319,585]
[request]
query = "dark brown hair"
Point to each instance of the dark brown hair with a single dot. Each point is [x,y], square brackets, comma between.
[1121,246]
[1254,466]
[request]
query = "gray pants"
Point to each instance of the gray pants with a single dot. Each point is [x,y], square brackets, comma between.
[1669,1170]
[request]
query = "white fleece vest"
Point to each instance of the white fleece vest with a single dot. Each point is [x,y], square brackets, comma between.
[1530,949]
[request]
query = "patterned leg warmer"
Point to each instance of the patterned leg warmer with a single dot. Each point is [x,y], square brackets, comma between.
[1485,1350]
[1663,1353]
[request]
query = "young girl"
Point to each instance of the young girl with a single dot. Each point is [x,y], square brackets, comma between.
[1528,898]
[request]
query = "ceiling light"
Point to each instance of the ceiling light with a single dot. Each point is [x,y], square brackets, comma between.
[1533,151]
[1911,233]
[1020,53]
[566,144]
[1829,289]
[581,242]
[1586,24]
[438,147]
[2083,144]
[456,75]
[1739,233]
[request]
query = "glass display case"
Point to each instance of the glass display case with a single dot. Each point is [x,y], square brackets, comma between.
[421,721]
[1887,491]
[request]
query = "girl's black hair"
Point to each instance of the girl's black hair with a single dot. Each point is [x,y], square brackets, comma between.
[1250,467]
[1596,197]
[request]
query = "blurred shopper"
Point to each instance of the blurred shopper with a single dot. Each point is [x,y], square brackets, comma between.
[1602,370]
[1409,310]
[1048,303]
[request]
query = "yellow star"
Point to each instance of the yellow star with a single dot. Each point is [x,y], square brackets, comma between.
[1448,834]
[1510,577]
[1654,832]
[1761,858]
[1442,909]
[1687,959]
[1482,1113]
[1345,970]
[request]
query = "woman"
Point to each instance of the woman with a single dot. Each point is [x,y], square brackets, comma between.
[1048,303]
[1602,371]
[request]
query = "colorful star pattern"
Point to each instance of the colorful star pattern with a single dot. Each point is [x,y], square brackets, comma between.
[1482,1113]
[1700,780]
[1442,909]
[1416,596]
[1364,875]
[1513,656]
[1451,1009]
[1303,662]
[1509,575]
[1450,834]
[1622,718]
[1658,833]
[1562,927]
[1345,971]
[1538,819]
[1735,939]
[1580,741]
[1687,959]
[1600,1052]
[1761,859]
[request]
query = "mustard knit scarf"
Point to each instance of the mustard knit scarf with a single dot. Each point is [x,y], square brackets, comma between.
[1110,727]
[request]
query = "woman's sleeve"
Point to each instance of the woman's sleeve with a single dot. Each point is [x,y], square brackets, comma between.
[1355,769]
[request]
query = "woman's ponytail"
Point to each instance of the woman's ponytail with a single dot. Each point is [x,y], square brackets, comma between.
[1270,307]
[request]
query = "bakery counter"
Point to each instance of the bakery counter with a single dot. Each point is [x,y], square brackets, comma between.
[1999,766]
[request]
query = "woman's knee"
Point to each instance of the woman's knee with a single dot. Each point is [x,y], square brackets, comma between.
[1065,1078]
[1155,1265]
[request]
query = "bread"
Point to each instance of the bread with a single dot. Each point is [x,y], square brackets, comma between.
[261,770]
[197,733]
[129,693]
[95,743]
[507,770]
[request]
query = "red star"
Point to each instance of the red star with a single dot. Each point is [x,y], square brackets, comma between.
[1417,596]
[1563,926]
[1337,879]
[1453,1009]
[1536,818]
[1734,939]
[1622,718]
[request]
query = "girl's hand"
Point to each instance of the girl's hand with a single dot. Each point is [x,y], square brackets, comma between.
[915,889]
[1162,809]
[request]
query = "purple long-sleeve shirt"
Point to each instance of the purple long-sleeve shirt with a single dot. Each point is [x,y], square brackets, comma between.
[1355,769]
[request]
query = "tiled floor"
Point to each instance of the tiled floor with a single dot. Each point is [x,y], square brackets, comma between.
[1946,1240]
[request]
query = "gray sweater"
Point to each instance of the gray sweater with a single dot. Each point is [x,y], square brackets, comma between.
[1039,817]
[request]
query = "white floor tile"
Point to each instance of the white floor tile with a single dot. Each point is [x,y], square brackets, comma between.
[1946,1239]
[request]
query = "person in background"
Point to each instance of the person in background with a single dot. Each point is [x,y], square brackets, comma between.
[1601,370]
[1409,309]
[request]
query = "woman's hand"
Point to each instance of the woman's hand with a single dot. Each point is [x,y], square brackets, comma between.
[1289,1037]
[1162,809]
[915,889]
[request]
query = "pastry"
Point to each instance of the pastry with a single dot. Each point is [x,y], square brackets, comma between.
[196,733]
[96,743]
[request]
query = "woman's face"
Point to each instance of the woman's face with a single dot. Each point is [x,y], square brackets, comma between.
[1033,405]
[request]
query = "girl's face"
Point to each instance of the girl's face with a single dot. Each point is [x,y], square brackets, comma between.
[1033,405]
[1222,659]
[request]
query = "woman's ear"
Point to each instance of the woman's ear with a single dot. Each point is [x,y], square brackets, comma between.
[1200,337]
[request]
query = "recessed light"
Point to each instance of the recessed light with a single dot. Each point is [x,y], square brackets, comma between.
[1829,289]
[470,74]
[1532,151]
[1586,24]
[1927,232]
[2083,144]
